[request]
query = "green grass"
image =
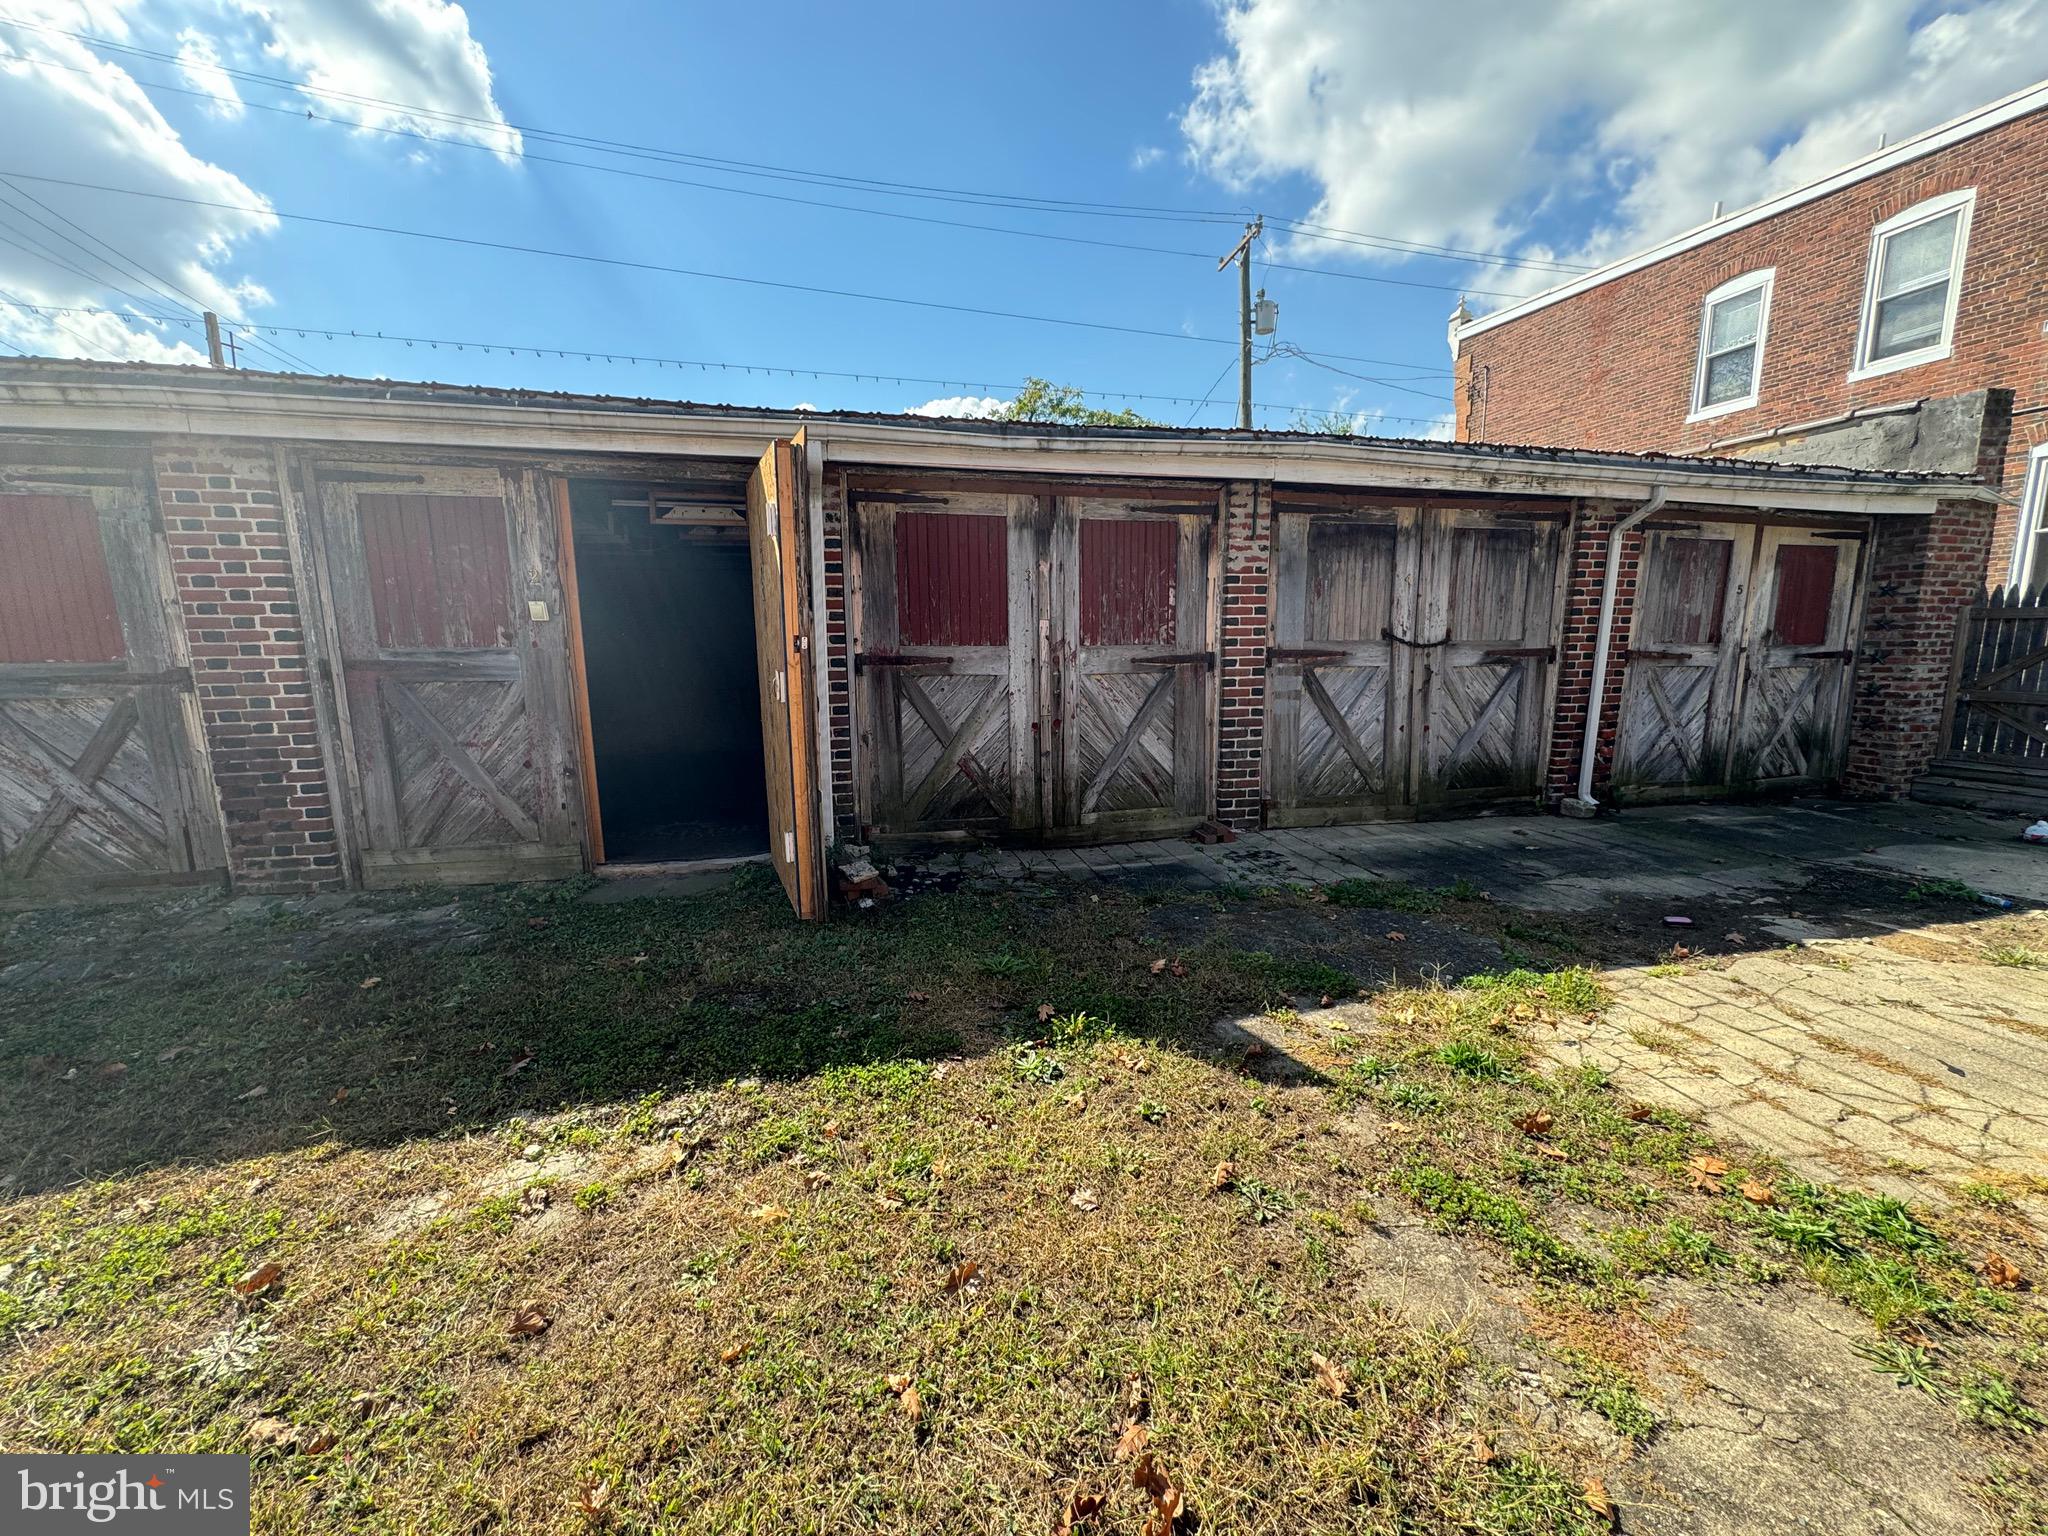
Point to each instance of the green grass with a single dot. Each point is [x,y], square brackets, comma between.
[2020,956]
[1396,896]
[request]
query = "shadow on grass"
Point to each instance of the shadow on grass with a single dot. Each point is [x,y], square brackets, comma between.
[206,1042]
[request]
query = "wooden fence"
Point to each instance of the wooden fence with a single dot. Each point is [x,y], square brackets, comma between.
[2000,692]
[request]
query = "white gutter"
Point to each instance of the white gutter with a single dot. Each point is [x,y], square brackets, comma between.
[1585,804]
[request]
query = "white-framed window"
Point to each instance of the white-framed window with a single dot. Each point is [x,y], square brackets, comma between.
[2030,541]
[1909,296]
[1734,320]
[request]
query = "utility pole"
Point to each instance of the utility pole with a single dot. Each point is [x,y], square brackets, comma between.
[213,351]
[1242,255]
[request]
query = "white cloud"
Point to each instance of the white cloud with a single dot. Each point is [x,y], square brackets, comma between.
[971,407]
[199,62]
[1145,156]
[1606,126]
[415,52]
[89,121]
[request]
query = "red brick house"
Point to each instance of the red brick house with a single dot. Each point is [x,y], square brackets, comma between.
[283,632]
[1891,315]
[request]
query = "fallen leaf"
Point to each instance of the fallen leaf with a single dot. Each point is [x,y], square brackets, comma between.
[1705,1169]
[1734,938]
[899,1383]
[816,1179]
[114,1069]
[594,1503]
[889,1202]
[1159,966]
[1757,1192]
[174,1052]
[1166,1498]
[1131,1441]
[1536,1123]
[1397,936]
[528,1320]
[369,982]
[1999,1271]
[1555,1154]
[1639,1113]
[536,922]
[1225,1177]
[273,1434]
[1598,1501]
[829,1130]
[1331,1376]
[1324,1001]
[1176,969]
[1044,1012]
[1083,1200]
[1137,1396]
[259,1279]
[1482,1450]
[1080,1507]
[320,1440]
[963,1272]
[732,1354]
[254,1093]
[768,1213]
[520,1063]
[340,1096]
[917,997]
[912,1404]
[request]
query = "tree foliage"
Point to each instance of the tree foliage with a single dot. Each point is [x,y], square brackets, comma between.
[1042,400]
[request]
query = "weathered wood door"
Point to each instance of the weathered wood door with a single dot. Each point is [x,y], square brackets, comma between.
[1487,617]
[1413,659]
[1683,662]
[1793,728]
[450,674]
[947,661]
[776,520]
[1126,594]
[103,780]
[1338,683]
[1033,666]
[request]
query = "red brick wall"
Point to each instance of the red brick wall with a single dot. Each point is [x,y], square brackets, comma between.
[1924,572]
[1612,367]
[1576,640]
[240,604]
[1241,669]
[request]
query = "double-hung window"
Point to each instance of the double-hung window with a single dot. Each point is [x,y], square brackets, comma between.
[1733,322]
[2030,544]
[1909,298]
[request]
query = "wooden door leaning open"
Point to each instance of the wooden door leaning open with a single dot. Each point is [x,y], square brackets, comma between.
[776,496]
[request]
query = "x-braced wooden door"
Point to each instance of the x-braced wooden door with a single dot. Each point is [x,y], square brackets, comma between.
[1413,658]
[1800,646]
[450,678]
[103,780]
[1127,693]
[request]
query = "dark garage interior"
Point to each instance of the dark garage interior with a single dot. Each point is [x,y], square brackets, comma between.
[666,601]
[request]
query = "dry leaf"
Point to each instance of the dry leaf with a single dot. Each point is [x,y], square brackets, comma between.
[1331,1376]
[1158,966]
[273,1434]
[594,1503]
[1706,1168]
[259,1279]
[1482,1450]
[2000,1271]
[340,1096]
[732,1354]
[1137,1397]
[1083,1200]
[889,1202]
[1225,1177]
[829,1130]
[1639,1113]
[1555,1154]
[114,1069]
[917,997]
[1597,1499]
[173,1053]
[1176,969]
[1080,1507]
[1045,1011]
[962,1273]
[768,1213]
[1757,1192]
[369,982]
[519,1063]
[319,1440]
[913,1405]
[1536,1123]
[1131,1441]
[528,1320]
[816,1179]
[1397,936]
[254,1093]
[1324,1001]
[1166,1498]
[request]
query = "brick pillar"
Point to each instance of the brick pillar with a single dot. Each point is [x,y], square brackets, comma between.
[838,664]
[240,603]
[1241,670]
[1924,571]
[1594,521]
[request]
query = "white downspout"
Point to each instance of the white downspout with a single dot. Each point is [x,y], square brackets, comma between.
[1585,804]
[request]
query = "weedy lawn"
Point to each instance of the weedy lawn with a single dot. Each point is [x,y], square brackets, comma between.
[680,1216]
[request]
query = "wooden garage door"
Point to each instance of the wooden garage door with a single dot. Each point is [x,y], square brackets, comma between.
[1413,658]
[451,687]
[103,784]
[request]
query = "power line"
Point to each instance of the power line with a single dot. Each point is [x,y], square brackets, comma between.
[873,185]
[598,354]
[646,266]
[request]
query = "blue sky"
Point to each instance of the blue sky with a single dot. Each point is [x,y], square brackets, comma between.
[1562,143]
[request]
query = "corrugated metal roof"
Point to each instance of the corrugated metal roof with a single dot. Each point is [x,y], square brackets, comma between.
[61,372]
